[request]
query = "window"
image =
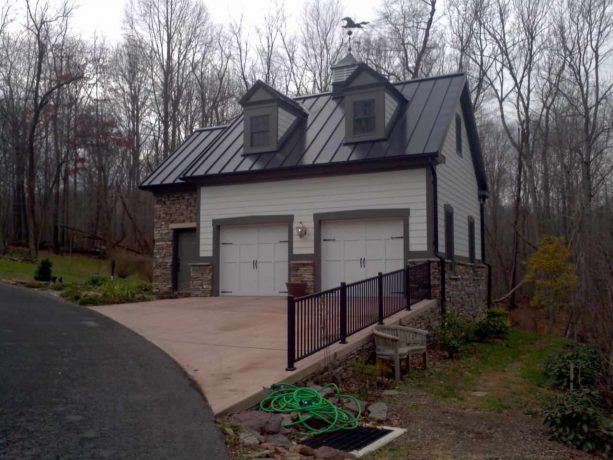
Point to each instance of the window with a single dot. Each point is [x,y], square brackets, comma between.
[449,249]
[364,117]
[259,131]
[458,134]
[471,239]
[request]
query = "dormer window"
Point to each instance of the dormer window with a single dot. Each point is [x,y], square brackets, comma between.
[372,105]
[260,131]
[364,117]
[269,119]
[365,113]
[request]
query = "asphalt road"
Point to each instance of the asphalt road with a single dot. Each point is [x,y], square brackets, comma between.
[76,385]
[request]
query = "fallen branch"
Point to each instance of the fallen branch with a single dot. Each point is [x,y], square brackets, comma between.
[508,294]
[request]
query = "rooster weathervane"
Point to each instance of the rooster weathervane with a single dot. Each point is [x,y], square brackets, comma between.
[351,24]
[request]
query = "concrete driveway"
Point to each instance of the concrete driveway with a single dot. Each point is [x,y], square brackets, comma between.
[232,346]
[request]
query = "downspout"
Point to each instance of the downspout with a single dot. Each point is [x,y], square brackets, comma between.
[482,198]
[435,236]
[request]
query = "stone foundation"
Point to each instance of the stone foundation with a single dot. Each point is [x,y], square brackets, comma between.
[169,208]
[303,271]
[201,279]
[465,288]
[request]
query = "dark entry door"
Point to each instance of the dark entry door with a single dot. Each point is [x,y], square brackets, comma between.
[187,252]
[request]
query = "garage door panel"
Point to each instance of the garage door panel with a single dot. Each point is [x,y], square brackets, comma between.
[254,259]
[375,249]
[331,250]
[361,250]
[247,282]
[353,249]
[281,251]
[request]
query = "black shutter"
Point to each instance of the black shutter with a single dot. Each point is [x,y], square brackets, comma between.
[449,248]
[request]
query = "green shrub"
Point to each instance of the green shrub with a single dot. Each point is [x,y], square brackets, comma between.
[120,291]
[43,270]
[495,325]
[576,419]
[72,294]
[587,366]
[454,334]
[96,281]
[90,299]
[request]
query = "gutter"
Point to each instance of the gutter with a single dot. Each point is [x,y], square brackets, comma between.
[482,198]
[435,236]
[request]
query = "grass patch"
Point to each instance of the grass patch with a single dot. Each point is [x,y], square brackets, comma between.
[498,376]
[85,280]
[72,269]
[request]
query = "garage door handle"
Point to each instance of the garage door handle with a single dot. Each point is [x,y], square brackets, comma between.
[256,264]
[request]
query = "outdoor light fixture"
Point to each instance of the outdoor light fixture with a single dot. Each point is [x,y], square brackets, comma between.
[301,230]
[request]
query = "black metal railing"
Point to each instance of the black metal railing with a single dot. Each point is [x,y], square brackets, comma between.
[318,320]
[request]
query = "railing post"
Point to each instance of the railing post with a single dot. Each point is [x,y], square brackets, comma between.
[407,285]
[380,296]
[343,313]
[291,333]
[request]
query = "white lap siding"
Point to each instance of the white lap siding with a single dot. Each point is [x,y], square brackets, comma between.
[304,197]
[457,187]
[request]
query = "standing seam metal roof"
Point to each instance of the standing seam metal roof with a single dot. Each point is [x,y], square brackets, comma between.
[169,171]
[421,129]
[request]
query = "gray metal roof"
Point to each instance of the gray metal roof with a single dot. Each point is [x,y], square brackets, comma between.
[169,171]
[320,141]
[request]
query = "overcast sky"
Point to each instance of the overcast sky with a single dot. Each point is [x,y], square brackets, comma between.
[104,17]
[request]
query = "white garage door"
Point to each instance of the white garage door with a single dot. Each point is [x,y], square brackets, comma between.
[352,250]
[253,260]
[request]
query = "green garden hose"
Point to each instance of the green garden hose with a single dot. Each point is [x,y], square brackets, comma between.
[315,413]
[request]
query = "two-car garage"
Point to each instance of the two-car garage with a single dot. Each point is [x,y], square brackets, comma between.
[254,259]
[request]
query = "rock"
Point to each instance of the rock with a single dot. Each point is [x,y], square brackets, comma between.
[263,454]
[390,393]
[329,453]
[261,422]
[286,419]
[479,394]
[249,438]
[273,425]
[378,411]
[350,405]
[303,450]
[279,440]
[325,392]
[229,431]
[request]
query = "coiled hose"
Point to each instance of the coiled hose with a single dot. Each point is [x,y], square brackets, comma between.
[316,414]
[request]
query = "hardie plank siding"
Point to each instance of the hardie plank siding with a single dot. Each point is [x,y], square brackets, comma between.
[457,186]
[305,197]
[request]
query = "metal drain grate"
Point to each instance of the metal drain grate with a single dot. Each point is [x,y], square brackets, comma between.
[347,440]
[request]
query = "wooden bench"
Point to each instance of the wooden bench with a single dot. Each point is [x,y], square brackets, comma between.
[393,343]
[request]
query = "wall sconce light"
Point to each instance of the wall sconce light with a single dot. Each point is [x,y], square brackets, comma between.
[301,230]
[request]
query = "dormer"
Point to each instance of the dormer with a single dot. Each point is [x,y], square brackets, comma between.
[269,118]
[371,103]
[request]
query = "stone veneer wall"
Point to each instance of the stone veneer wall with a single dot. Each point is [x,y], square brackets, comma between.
[465,288]
[201,279]
[176,207]
[303,271]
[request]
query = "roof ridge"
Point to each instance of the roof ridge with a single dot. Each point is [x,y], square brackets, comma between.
[211,128]
[433,77]
[403,82]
